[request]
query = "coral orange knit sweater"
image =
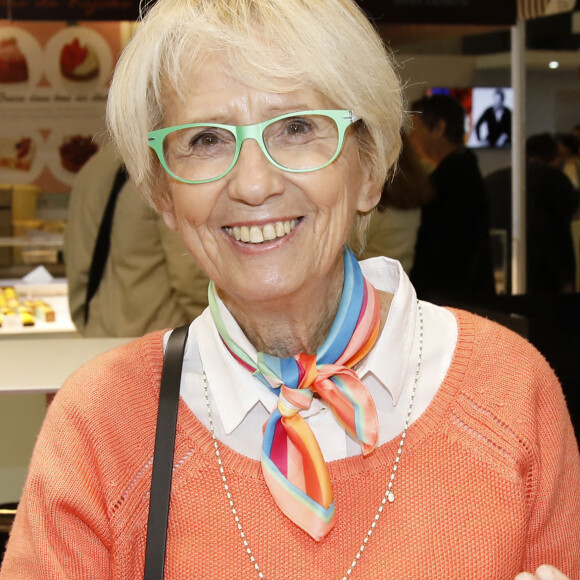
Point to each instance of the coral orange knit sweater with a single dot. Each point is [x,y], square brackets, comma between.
[488,484]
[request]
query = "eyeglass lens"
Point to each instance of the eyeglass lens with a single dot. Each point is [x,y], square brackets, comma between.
[205,152]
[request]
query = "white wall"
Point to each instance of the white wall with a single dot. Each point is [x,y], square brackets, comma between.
[419,72]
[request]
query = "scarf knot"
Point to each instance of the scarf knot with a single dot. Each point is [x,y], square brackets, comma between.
[292,462]
[292,400]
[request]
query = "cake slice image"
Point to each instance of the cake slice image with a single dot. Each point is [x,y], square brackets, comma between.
[13,65]
[79,62]
[17,153]
[76,150]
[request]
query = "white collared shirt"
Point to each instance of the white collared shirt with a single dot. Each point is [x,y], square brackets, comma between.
[241,404]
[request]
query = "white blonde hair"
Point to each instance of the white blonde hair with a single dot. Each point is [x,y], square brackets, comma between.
[326,45]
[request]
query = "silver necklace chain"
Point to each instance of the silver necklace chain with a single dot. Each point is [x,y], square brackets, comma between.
[388,497]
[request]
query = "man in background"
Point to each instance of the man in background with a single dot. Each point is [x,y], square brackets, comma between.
[551,201]
[453,255]
[149,280]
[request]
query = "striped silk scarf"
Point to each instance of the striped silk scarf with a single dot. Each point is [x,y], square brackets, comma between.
[292,462]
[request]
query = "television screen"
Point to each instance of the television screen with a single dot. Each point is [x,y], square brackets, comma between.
[488,114]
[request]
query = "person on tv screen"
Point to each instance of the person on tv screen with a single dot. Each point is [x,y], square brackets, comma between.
[497,120]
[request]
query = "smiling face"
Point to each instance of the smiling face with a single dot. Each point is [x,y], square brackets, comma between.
[260,233]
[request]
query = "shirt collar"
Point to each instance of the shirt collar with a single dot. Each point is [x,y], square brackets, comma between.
[236,391]
[389,359]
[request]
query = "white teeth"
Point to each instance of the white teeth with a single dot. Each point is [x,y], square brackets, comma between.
[269,232]
[257,235]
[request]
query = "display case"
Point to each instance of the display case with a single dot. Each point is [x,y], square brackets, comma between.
[31,230]
[33,310]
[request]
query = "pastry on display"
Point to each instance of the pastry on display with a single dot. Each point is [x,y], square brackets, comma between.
[43,312]
[15,318]
[76,150]
[15,313]
[17,153]
[12,312]
[79,62]
[8,297]
[13,65]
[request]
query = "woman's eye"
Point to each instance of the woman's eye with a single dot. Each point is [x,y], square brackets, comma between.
[203,140]
[297,127]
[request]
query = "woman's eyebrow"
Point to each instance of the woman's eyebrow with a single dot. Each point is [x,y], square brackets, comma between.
[276,110]
[267,112]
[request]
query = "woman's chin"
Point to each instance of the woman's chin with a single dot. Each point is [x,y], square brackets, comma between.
[286,269]
[261,287]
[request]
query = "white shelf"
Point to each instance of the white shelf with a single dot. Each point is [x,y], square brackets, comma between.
[41,365]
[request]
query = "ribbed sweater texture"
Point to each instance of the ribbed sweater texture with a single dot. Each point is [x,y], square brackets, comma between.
[488,484]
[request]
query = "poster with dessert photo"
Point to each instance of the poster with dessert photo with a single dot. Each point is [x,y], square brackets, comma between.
[54,80]
[21,154]
[70,147]
[78,59]
[20,59]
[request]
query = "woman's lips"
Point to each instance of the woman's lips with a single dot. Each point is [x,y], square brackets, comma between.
[260,234]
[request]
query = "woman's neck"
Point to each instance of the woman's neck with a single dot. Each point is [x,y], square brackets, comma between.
[289,325]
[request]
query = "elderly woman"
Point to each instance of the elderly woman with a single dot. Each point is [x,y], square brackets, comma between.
[329,424]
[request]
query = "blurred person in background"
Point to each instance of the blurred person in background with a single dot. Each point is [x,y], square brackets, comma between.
[453,254]
[395,223]
[569,157]
[551,201]
[149,281]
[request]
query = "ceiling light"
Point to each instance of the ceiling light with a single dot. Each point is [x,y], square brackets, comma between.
[553,64]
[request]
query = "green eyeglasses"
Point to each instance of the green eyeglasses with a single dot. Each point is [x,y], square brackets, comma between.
[296,142]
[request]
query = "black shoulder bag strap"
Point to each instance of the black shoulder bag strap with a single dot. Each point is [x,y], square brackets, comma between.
[163,455]
[103,242]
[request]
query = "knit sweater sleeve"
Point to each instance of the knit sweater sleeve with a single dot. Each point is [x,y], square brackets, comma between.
[552,483]
[63,525]
[517,394]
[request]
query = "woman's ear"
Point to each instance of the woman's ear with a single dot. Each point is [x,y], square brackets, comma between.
[370,191]
[168,214]
[370,201]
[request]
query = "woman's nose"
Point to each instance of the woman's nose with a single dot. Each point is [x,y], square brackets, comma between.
[254,179]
